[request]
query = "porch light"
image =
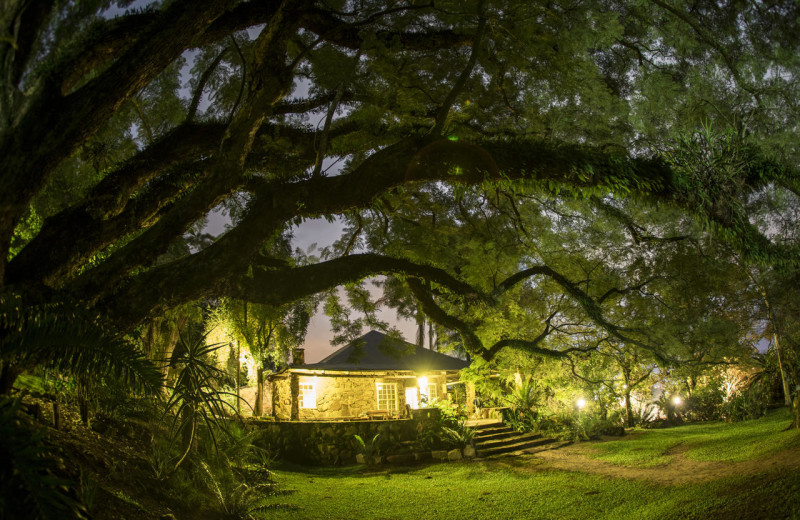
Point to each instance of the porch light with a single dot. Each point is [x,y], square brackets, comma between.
[581,403]
[422,382]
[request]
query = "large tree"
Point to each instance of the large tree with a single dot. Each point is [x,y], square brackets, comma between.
[118,134]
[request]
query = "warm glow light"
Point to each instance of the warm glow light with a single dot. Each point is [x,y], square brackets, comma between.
[676,400]
[423,382]
[581,403]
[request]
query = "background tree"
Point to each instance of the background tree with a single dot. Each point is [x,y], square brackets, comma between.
[269,333]
[108,156]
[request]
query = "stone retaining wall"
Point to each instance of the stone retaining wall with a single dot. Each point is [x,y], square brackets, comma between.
[331,443]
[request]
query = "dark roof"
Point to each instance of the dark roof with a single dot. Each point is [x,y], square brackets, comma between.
[376,351]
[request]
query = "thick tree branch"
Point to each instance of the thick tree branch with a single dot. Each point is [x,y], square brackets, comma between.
[272,80]
[274,285]
[115,207]
[24,28]
[432,310]
[55,125]
[350,36]
[201,85]
[461,82]
[614,290]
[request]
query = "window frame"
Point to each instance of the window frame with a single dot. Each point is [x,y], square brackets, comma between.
[303,396]
[396,402]
[432,396]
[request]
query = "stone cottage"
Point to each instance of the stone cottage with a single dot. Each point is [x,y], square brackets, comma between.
[372,377]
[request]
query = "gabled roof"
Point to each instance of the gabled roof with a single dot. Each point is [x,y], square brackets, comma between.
[376,351]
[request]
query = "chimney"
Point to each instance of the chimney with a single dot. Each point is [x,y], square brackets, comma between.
[298,357]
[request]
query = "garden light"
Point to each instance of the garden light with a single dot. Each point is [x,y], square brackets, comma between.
[581,403]
[676,400]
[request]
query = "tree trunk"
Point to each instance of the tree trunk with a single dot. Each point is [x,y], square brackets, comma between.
[238,378]
[787,394]
[56,415]
[258,409]
[8,376]
[628,409]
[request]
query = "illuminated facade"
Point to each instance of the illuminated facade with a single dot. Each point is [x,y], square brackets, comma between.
[372,377]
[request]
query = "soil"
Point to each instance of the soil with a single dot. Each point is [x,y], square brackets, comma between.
[680,470]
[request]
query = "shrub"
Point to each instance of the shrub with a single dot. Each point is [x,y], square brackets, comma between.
[751,403]
[459,437]
[369,449]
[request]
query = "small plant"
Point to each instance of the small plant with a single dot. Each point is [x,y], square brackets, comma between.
[369,449]
[461,436]
[745,405]
[87,490]
[160,459]
[236,499]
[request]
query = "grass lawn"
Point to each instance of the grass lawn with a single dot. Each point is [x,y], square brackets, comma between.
[525,488]
[715,441]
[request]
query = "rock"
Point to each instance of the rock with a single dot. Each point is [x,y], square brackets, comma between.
[454,455]
[400,459]
[422,456]
[469,451]
[439,455]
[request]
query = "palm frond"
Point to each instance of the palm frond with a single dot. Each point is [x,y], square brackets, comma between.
[72,340]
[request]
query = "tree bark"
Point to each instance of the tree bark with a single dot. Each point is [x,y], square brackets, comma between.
[8,376]
[258,409]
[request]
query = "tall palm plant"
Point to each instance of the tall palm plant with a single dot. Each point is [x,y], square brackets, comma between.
[196,399]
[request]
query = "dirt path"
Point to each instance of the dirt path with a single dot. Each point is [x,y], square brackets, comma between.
[681,470]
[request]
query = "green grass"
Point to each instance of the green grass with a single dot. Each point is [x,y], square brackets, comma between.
[716,441]
[491,490]
[523,488]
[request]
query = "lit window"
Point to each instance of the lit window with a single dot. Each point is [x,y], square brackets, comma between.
[307,396]
[433,392]
[387,396]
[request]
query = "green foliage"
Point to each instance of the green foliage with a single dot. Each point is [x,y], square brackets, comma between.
[369,448]
[459,437]
[195,400]
[71,340]
[750,403]
[29,486]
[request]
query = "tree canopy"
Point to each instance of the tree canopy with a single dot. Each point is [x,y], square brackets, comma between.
[119,134]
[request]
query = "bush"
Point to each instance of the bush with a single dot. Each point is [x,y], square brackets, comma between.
[748,404]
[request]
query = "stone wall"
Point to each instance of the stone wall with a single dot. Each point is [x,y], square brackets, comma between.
[330,443]
[339,397]
[281,398]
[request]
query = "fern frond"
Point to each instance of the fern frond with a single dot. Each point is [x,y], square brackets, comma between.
[72,340]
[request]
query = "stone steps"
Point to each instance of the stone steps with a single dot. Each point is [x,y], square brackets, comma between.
[497,439]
